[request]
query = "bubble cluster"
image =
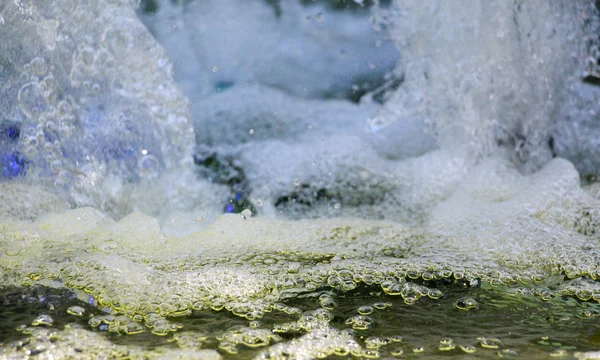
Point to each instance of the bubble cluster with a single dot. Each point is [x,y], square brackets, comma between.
[85,109]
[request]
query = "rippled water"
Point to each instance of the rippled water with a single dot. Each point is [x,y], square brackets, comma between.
[525,326]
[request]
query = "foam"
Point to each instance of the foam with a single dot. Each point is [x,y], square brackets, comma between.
[339,210]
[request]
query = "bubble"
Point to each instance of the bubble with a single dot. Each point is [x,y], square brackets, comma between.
[469,349]
[381,305]
[396,352]
[446,344]
[365,310]
[435,294]
[76,310]
[327,302]
[490,343]
[24,77]
[88,56]
[375,342]
[334,281]
[466,304]
[360,322]
[418,349]
[43,319]
[31,100]
[214,69]
[38,66]
[133,327]
[119,42]
[255,324]
[149,167]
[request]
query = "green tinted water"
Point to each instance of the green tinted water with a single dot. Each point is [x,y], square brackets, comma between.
[500,325]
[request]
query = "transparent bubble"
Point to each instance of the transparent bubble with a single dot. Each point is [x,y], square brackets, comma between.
[88,55]
[76,310]
[43,319]
[31,100]
[149,167]
[38,66]
[119,42]
[466,303]
[56,166]
[365,310]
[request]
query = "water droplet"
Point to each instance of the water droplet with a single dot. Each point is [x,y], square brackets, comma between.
[214,69]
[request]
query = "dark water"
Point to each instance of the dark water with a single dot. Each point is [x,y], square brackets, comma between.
[525,325]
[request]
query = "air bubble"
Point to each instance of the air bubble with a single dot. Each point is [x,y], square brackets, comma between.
[31,100]
[469,349]
[88,55]
[396,352]
[365,310]
[76,310]
[38,66]
[466,304]
[490,343]
[43,319]
[360,322]
[149,167]
[119,42]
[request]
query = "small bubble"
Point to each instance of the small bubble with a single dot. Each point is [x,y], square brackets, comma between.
[43,319]
[31,100]
[56,166]
[214,69]
[149,167]
[397,352]
[76,310]
[469,349]
[365,310]
[466,303]
[38,66]
[490,343]
[251,131]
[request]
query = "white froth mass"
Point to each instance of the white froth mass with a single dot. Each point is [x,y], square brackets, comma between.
[172,167]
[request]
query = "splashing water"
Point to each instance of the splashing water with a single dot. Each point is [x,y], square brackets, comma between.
[450,228]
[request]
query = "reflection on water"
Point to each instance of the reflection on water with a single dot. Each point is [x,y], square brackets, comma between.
[503,324]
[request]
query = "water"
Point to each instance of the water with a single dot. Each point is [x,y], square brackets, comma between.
[364,153]
[504,323]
